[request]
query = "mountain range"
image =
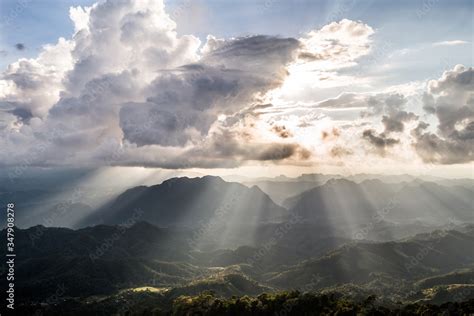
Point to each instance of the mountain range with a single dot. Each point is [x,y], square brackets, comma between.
[103,260]
[407,241]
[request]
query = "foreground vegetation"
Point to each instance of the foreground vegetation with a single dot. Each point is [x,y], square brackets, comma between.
[276,304]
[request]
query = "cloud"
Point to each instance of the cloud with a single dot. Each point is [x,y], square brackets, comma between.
[127,89]
[340,151]
[451,100]
[380,141]
[282,131]
[20,46]
[433,149]
[370,104]
[35,84]
[324,58]
[395,121]
[345,100]
[187,101]
[337,44]
[127,82]
[231,145]
[450,43]
[389,107]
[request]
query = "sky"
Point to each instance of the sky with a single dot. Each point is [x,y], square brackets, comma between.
[270,86]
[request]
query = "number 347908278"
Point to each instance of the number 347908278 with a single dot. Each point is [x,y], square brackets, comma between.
[10,226]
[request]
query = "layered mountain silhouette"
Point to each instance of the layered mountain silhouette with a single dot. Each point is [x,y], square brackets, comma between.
[336,204]
[102,260]
[282,189]
[341,203]
[189,202]
[415,258]
[403,240]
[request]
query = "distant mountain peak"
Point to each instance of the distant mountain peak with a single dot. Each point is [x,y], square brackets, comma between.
[179,180]
[188,201]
